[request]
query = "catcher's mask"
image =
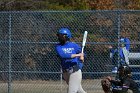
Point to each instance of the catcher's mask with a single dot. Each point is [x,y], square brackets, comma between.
[124,71]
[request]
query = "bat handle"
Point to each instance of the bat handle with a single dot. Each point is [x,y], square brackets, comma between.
[82,52]
[82,49]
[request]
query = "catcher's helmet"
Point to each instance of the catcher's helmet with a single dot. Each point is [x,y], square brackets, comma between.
[65,31]
[124,71]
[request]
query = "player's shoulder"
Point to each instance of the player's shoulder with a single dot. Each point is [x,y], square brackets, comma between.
[126,39]
[75,43]
[57,45]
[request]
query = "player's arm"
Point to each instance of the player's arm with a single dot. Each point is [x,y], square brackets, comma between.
[121,89]
[116,82]
[111,50]
[66,55]
[77,55]
[127,44]
[126,85]
[78,51]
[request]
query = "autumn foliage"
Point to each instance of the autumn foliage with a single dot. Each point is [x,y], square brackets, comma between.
[69,4]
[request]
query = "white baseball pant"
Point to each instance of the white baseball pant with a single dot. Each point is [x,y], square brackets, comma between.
[74,81]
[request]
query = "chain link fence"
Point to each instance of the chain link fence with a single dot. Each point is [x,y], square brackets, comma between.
[28,62]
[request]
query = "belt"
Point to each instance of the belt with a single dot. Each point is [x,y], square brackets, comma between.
[71,69]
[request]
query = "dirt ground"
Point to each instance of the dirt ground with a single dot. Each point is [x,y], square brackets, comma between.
[38,86]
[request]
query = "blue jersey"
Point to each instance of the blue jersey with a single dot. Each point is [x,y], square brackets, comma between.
[115,52]
[65,51]
[122,54]
[127,43]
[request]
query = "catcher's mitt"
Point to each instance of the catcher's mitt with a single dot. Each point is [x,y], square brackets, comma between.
[106,85]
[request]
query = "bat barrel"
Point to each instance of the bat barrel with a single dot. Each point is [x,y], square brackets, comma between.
[84,40]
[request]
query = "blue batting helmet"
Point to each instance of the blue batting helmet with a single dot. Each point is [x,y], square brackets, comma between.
[122,40]
[65,31]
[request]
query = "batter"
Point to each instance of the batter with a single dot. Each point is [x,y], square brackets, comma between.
[71,60]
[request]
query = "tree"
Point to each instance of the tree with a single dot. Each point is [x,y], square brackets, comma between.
[6,5]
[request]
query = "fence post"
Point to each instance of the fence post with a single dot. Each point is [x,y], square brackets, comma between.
[61,81]
[119,30]
[9,56]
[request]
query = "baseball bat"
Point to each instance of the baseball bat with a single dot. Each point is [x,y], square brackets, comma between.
[84,40]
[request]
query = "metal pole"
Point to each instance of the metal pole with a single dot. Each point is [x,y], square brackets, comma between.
[118,4]
[61,81]
[119,35]
[9,70]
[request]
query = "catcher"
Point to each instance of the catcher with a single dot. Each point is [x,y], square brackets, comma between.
[123,84]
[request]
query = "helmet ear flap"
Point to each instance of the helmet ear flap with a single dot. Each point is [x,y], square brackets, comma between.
[67,37]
